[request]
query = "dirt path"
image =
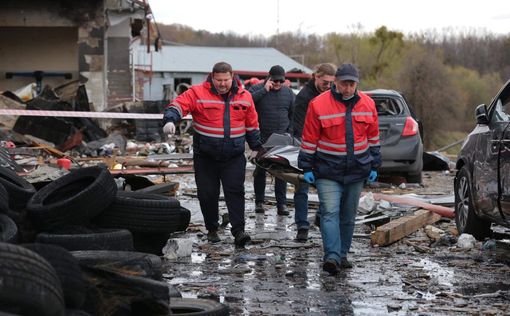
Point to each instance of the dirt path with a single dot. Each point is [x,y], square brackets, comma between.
[277,276]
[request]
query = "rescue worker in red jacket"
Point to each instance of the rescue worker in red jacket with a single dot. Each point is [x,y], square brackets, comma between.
[224,117]
[340,150]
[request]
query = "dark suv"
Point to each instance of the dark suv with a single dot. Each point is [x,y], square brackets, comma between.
[399,132]
[482,183]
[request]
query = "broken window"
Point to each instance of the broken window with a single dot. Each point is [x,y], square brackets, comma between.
[502,108]
[388,106]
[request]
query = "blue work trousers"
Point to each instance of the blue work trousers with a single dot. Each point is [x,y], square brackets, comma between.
[339,203]
[301,206]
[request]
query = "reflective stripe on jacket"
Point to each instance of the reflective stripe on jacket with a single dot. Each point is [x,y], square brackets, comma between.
[340,142]
[221,121]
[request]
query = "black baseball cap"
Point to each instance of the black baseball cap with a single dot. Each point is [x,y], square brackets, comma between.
[277,73]
[347,72]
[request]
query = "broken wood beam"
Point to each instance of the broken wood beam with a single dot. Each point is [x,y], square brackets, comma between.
[176,170]
[166,188]
[397,229]
[438,209]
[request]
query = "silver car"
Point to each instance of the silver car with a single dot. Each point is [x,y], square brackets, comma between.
[400,136]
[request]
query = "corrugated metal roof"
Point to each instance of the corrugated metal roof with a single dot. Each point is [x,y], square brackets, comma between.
[201,59]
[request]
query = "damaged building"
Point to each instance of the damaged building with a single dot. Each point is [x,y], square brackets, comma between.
[52,42]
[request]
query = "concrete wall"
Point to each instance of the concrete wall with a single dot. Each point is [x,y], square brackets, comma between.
[89,39]
[26,49]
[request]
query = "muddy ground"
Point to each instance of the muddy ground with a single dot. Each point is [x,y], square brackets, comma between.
[278,276]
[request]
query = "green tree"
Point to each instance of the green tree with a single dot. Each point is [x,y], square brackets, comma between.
[387,46]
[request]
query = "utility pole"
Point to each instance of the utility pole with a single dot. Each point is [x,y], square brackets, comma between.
[277,21]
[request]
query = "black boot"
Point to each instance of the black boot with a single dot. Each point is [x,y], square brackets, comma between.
[302,235]
[282,210]
[259,208]
[241,239]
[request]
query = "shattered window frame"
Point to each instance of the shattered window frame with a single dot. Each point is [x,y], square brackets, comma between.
[500,111]
[391,107]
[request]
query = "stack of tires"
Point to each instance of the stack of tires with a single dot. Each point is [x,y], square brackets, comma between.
[89,254]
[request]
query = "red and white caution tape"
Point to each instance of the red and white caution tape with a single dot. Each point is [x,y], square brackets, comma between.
[114,115]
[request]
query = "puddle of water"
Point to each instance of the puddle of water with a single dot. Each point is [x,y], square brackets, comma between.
[197,257]
[444,276]
[484,288]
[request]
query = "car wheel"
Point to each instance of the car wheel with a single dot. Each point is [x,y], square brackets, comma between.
[465,217]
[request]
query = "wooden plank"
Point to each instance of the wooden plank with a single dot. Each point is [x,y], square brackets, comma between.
[166,188]
[397,229]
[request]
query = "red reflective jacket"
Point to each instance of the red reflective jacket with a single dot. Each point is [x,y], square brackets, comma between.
[208,111]
[325,130]
[340,143]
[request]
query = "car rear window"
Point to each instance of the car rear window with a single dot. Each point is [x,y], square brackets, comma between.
[388,106]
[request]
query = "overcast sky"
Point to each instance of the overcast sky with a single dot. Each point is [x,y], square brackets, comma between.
[260,17]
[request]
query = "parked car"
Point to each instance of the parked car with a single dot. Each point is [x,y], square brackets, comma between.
[482,183]
[400,136]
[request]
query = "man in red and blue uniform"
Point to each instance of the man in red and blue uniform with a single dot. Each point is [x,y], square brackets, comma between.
[340,150]
[224,118]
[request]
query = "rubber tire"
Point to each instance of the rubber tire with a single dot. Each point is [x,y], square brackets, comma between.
[142,264]
[30,285]
[4,200]
[8,229]
[145,213]
[197,307]
[465,217]
[150,242]
[89,239]
[74,198]
[68,271]
[19,189]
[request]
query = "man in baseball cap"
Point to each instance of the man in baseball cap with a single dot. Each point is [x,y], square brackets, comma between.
[347,72]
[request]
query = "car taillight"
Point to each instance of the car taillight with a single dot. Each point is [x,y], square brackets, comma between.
[410,128]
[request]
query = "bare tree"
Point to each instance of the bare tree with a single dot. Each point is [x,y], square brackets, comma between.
[426,84]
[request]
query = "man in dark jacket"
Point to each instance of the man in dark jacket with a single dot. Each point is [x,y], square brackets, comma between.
[224,117]
[322,78]
[274,104]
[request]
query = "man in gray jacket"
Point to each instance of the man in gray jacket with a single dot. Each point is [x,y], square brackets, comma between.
[274,104]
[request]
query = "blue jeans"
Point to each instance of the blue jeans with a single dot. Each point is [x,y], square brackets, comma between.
[339,205]
[301,206]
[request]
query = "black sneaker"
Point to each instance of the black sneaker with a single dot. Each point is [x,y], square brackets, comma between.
[282,210]
[302,235]
[241,239]
[213,237]
[345,264]
[317,221]
[331,266]
[259,208]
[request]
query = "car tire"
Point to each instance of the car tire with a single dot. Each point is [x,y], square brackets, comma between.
[8,229]
[30,286]
[19,190]
[89,239]
[465,217]
[68,271]
[72,199]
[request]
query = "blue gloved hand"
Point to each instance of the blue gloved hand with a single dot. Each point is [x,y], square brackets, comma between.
[309,178]
[372,177]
